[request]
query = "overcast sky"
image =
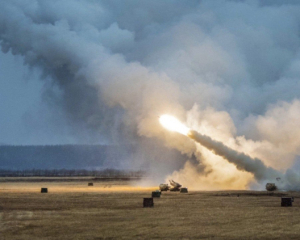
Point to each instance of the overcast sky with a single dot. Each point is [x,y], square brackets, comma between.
[101,71]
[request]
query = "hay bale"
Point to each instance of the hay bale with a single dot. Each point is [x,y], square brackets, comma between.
[44,190]
[183,190]
[286,201]
[148,202]
[156,193]
[90,184]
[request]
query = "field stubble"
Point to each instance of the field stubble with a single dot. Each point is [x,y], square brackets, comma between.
[113,210]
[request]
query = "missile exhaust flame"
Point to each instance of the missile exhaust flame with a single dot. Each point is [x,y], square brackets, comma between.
[173,124]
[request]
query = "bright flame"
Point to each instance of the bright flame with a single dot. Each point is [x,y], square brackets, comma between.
[173,124]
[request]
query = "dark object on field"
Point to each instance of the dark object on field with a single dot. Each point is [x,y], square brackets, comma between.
[164,187]
[183,190]
[175,186]
[286,201]
[148,202]
[44,190]
[271,187]
[238,195]
[90,184]
[156,193]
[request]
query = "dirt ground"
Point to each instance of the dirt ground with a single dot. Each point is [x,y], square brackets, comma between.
[113,210]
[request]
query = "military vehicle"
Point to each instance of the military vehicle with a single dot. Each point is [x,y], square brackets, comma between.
[175,186]
[271,187]
[164,187]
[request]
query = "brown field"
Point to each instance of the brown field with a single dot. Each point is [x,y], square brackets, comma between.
[113,210]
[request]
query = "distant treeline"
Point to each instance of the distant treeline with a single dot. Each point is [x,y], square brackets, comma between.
[16,160]
[106,173]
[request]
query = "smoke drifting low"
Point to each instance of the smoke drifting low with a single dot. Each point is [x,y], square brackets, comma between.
[230,69]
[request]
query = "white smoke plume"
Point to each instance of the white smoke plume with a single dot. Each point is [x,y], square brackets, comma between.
[229,68]
[241,160]
[288,181]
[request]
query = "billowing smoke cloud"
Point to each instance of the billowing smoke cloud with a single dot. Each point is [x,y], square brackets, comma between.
[229,68]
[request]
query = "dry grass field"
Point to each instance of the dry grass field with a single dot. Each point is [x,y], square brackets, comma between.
[113,210]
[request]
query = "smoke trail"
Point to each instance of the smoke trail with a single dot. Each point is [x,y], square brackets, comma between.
[241,160]
[289,181]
